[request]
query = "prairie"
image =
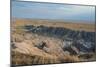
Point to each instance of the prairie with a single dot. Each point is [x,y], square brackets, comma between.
[55,23]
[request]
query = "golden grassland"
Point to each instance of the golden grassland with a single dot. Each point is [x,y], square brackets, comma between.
[73,26]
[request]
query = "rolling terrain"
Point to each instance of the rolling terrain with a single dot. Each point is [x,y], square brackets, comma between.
[49,41]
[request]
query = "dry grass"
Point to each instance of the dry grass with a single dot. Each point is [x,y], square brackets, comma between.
[73,26]
[25,59]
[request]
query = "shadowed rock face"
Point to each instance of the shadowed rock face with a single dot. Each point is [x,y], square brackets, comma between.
[79,41]
[61,32]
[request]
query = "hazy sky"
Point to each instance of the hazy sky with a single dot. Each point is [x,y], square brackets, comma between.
[53,11]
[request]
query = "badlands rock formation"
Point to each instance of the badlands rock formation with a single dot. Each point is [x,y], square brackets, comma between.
[46,45]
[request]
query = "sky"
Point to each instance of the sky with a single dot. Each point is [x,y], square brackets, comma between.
[36,10]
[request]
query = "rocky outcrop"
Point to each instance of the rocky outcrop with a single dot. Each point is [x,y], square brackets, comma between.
[73,41]
[61,32]
[47,45]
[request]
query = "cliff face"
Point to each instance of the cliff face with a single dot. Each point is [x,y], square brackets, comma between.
[46,45]
[81,40]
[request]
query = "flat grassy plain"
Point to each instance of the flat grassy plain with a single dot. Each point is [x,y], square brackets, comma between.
[54,23]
